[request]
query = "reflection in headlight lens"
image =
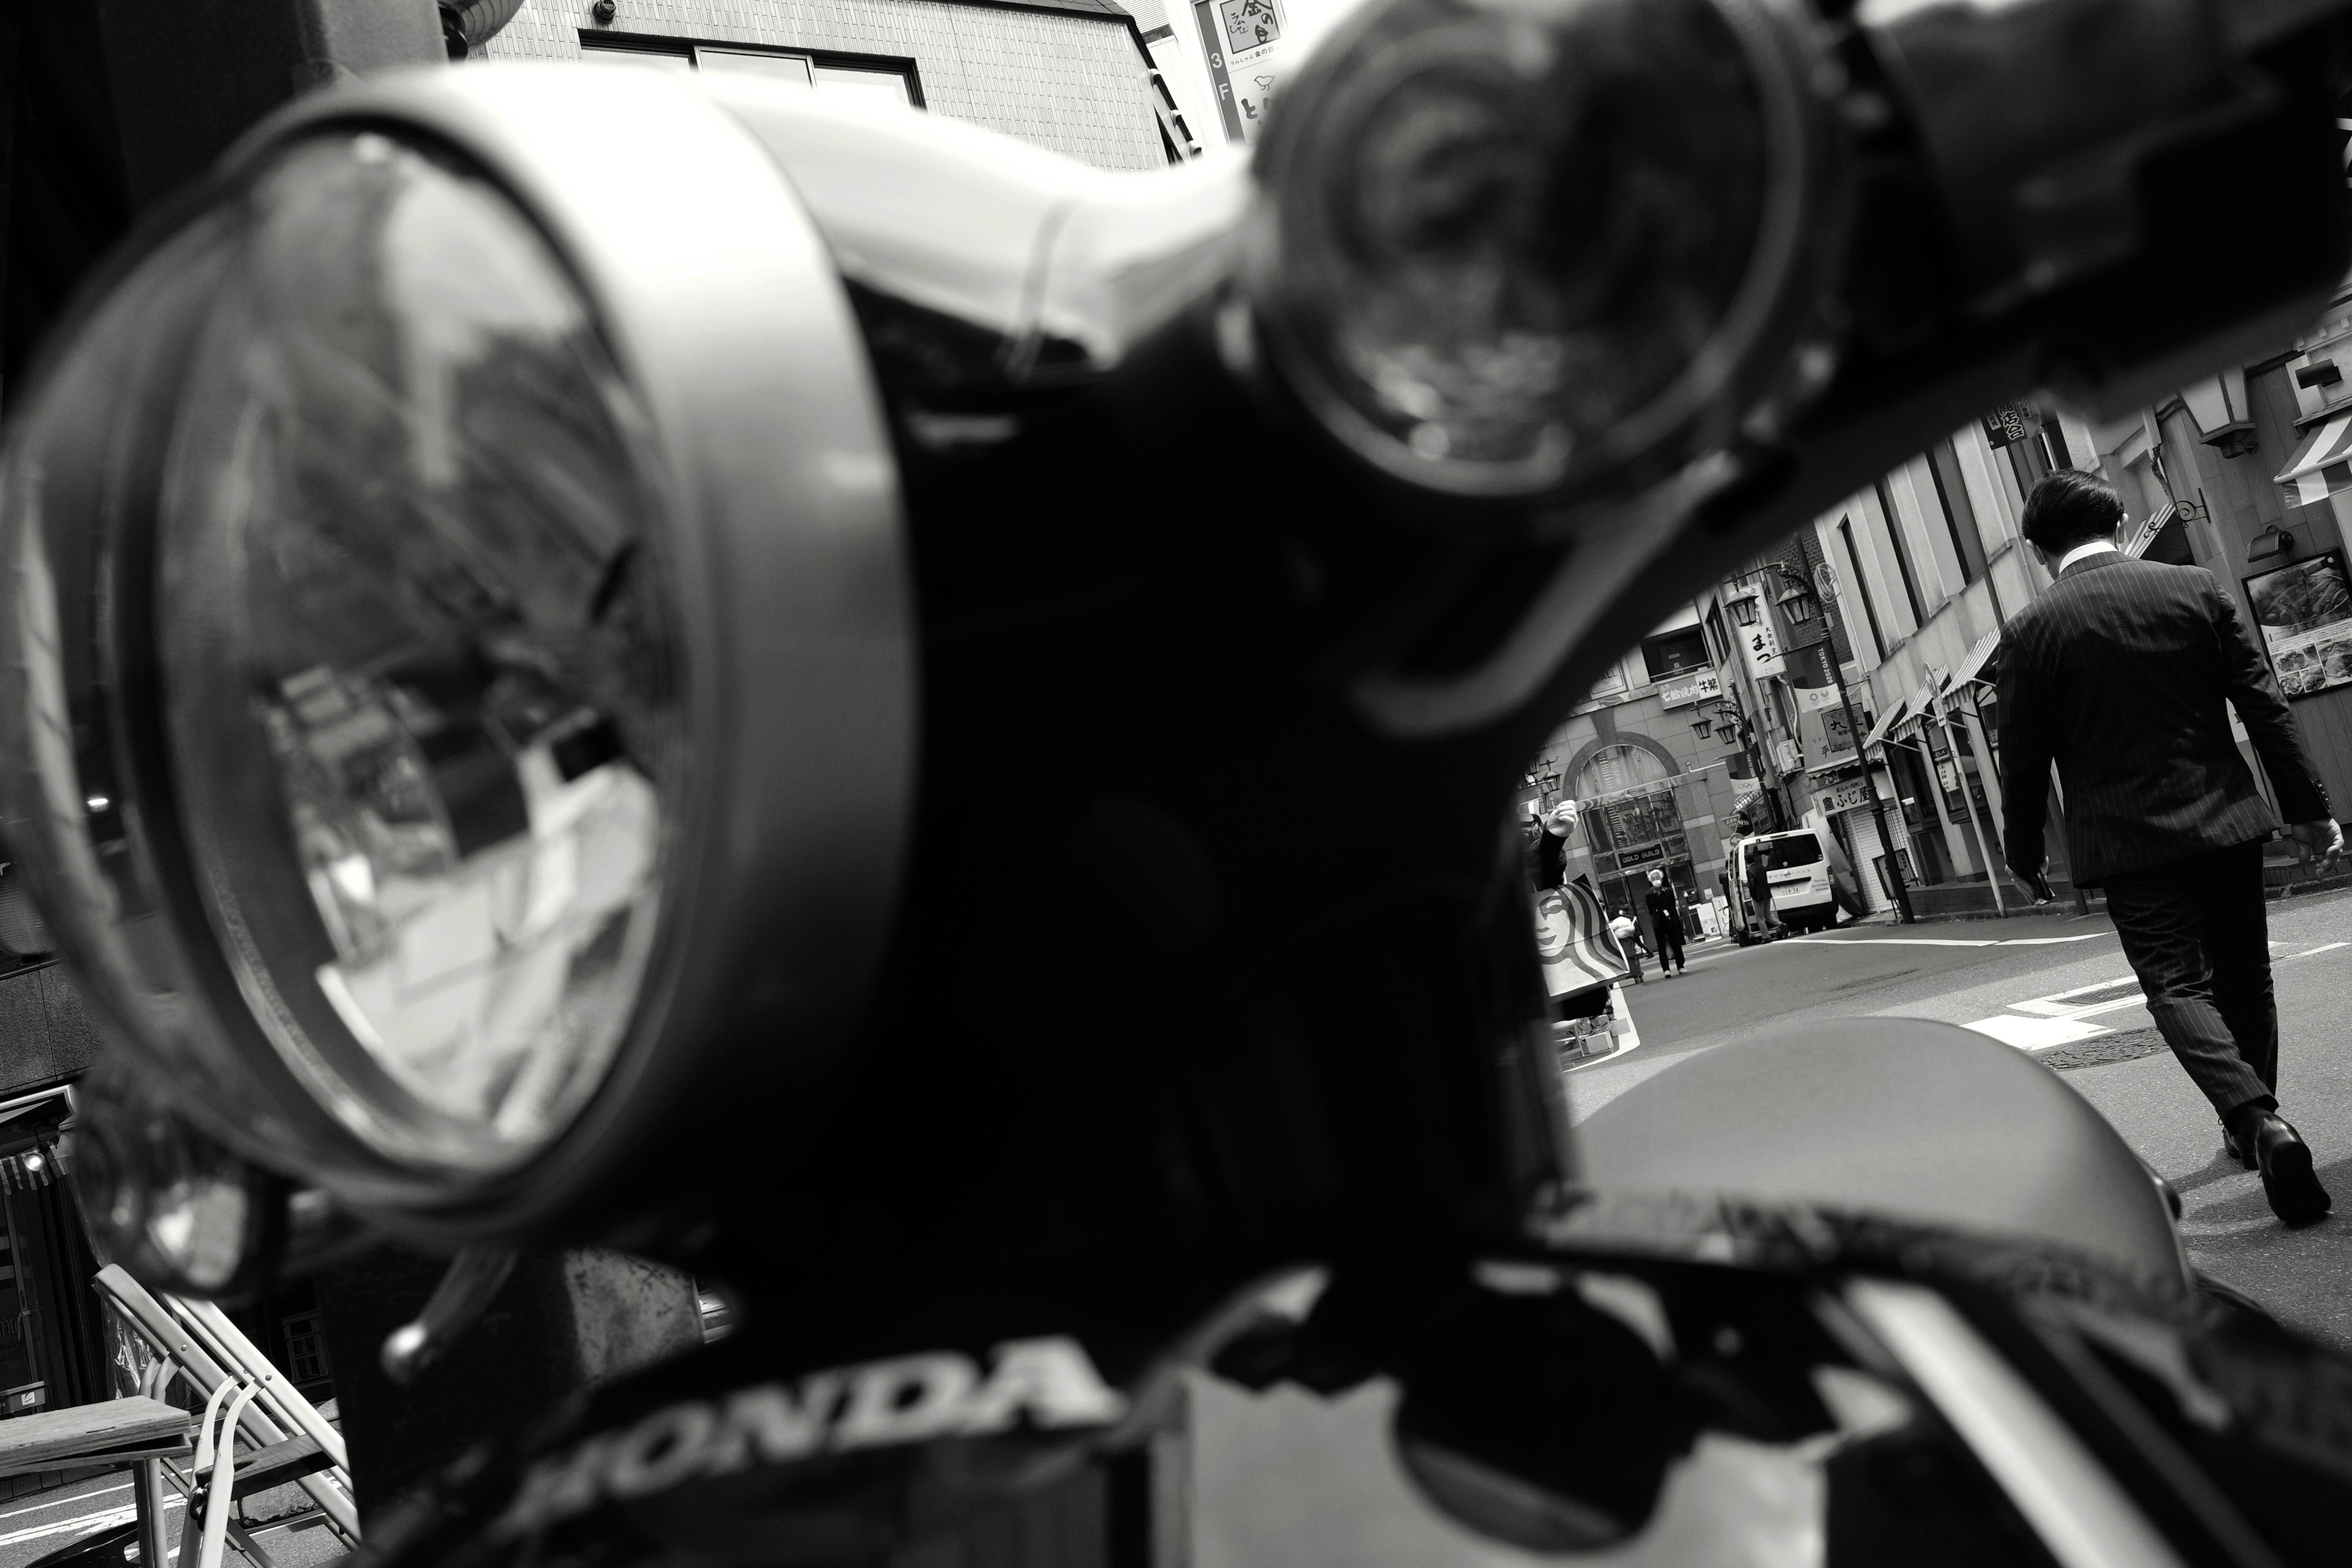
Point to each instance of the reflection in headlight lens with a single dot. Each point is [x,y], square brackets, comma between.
[417,672]
[1511,237]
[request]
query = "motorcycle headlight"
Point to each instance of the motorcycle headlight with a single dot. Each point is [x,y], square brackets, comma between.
[1530,247]
[443,552]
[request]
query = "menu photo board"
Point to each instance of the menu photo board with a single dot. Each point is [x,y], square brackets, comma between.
[2303,612]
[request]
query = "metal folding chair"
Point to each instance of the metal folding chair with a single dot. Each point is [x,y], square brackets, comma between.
[244,1396]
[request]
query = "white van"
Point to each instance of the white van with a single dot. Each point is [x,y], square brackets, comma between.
[1796,866]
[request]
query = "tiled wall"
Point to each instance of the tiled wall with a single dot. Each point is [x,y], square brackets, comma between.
[1073,83]
[44,1034]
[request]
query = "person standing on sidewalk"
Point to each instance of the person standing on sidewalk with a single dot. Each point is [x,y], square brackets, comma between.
[1629,941]
[1666,918]
[2122,674]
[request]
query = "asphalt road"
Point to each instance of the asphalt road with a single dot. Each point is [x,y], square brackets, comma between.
[2058,984]
[32,1527]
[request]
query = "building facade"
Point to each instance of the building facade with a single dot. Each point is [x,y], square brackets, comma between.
[1077,77]
[2247,474]
[1925,569]
[1657,769]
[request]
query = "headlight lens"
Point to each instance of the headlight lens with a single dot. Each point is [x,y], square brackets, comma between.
[1514,248]
[419,695]
[459,706]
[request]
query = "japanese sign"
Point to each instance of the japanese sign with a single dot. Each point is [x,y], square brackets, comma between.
[1698,686]
[1760,645]
[1244,39]
[1837,739]
[2010,423]
[1846,794]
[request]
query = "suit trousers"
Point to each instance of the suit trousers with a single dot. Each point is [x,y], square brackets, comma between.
[2198,935]
[1670,941]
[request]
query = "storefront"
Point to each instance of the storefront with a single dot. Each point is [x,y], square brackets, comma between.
[56,1348]
[1840,799]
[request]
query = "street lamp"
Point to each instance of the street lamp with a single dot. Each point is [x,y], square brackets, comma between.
[1826,582]
[1734,719]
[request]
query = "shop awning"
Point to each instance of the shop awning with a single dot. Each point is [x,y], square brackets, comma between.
[2304,477]
[1887,723]
[1981,653]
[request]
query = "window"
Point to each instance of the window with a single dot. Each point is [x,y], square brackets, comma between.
[1782,851]
[1675,653]
[2053,442]
[1617,768]
[306,1348]
[1861,587]
[1959,514]
[857,77]
[1902,551]
[1721,638]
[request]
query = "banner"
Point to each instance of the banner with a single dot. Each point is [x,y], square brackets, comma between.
[1760,645]
[1811,679]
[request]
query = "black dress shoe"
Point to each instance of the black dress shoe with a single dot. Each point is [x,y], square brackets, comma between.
[2288,1181]
[2230,1151]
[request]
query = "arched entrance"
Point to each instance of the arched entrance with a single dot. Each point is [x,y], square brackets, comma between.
[1629,795]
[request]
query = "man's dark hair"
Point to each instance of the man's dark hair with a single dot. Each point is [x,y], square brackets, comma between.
[2070,507]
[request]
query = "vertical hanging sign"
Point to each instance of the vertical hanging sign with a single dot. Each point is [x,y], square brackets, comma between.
[1760,645]
[1244,42]
[1213,45]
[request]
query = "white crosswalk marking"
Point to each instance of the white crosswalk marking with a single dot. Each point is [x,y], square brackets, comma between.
[2035,1033]
[2039,1023]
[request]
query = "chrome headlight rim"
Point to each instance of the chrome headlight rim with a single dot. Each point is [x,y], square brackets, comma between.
[788,587]
[1756,352]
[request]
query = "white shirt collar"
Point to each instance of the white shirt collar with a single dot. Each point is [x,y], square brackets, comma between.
[2080,550]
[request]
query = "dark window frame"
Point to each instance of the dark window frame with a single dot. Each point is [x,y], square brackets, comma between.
[600,42]
[1681,637]
[1862,588]
[1960,513]
[1902,551]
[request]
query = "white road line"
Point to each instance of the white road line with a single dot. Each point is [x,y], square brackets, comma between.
[2035,1033]
[84,1524]
[2057,1006]
[2045,1022]
[2136,999]
[1943,941]
[62,1501]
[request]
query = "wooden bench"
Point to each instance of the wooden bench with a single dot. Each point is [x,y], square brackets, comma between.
[113,1431]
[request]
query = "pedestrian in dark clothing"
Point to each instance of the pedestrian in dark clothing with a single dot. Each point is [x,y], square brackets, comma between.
[2123,675]
[1629,941]
[1666,921]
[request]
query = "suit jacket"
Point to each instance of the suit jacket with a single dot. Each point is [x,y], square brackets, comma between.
[2118,674]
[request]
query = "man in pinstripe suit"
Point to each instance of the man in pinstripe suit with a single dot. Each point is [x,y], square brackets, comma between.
[2119,674]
